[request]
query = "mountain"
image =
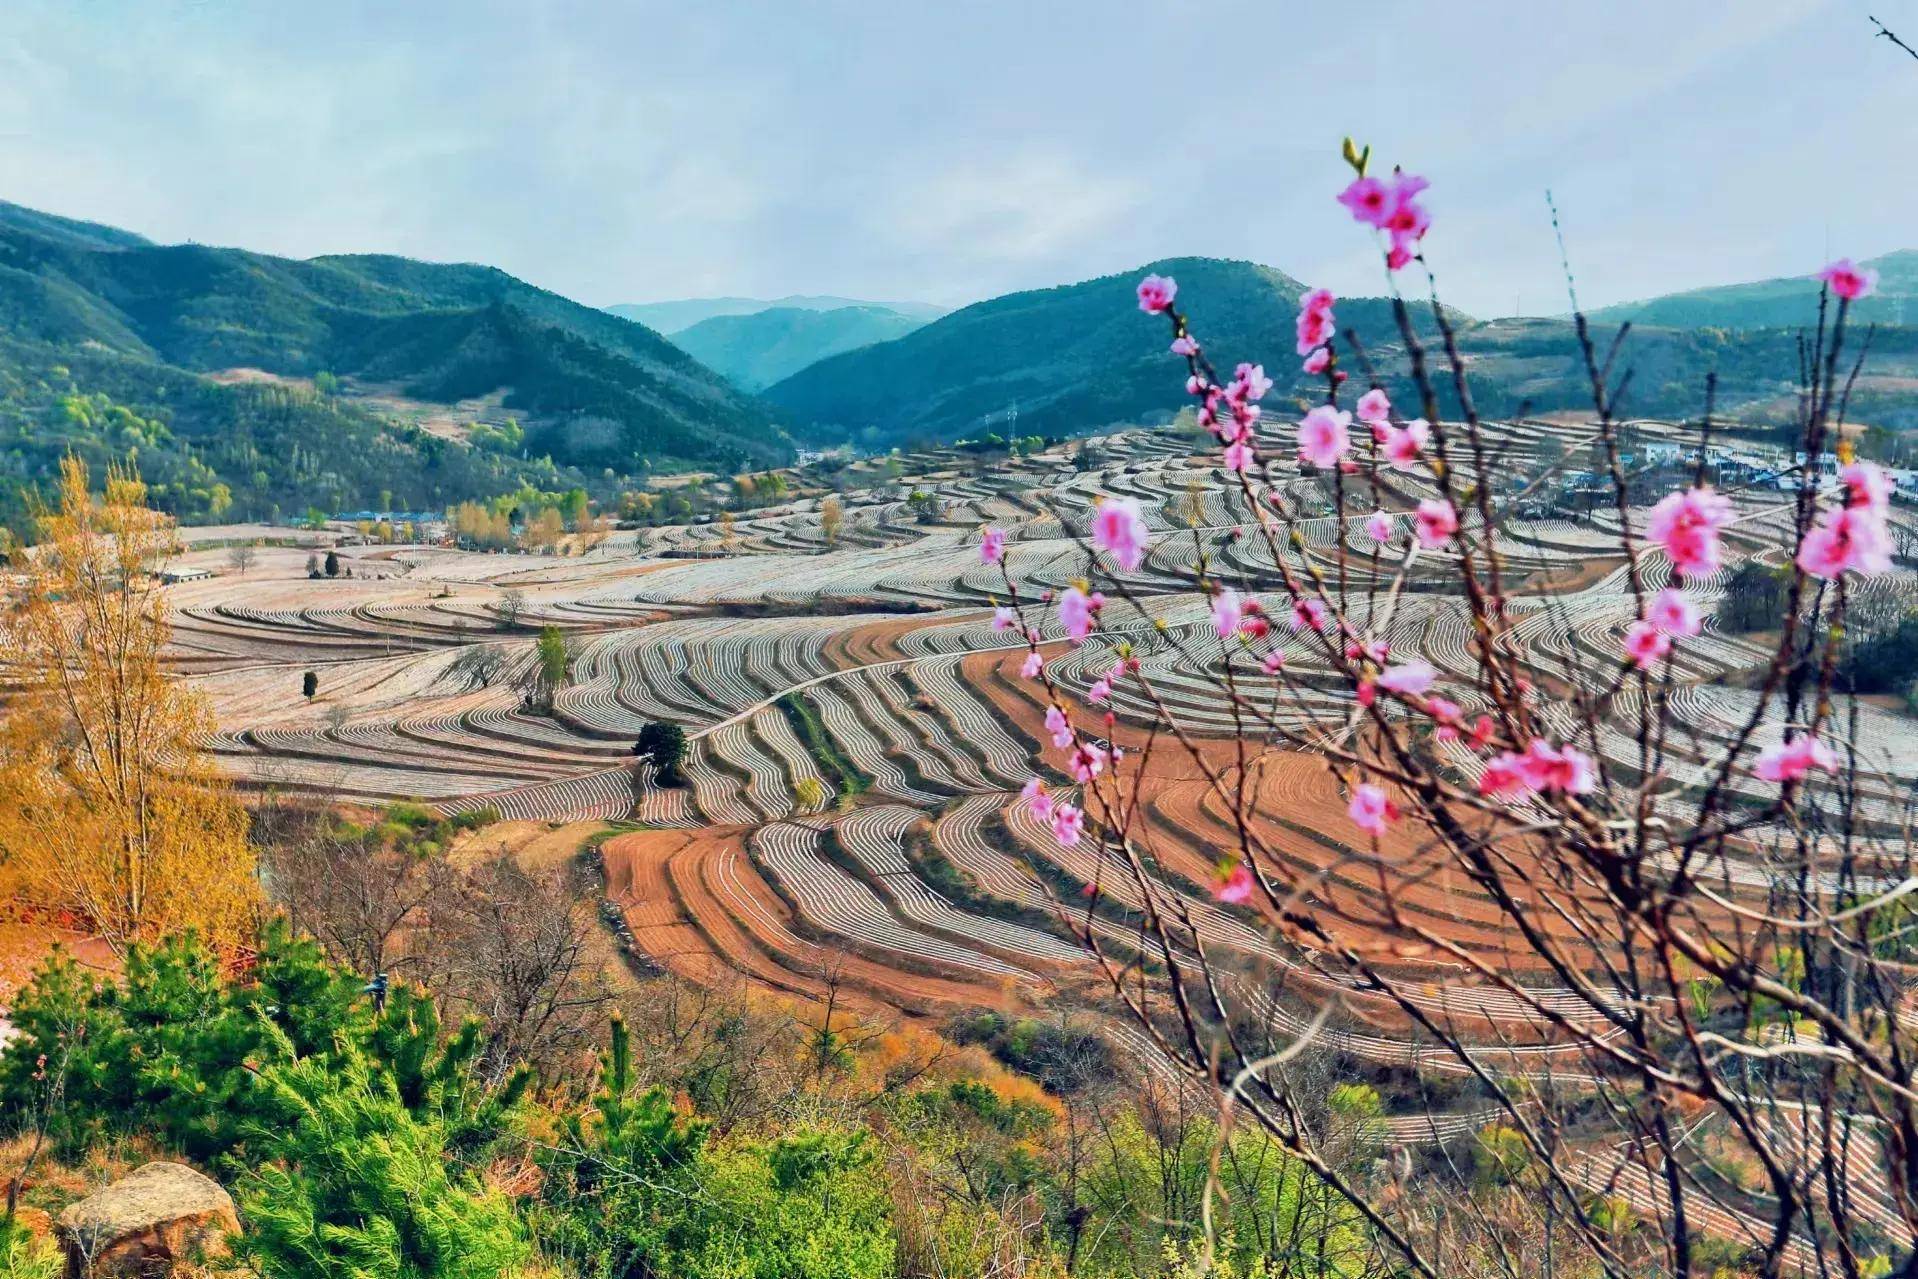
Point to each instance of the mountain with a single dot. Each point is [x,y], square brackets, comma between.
[678,316]
[181,334]
[756,350]
[1081,357]
[1071,358]
[1787,303]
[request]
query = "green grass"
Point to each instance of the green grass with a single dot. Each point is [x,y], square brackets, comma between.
[841,773]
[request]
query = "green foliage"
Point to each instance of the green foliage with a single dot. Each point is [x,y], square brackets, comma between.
[810,1205]
[1501,1154]
[621,1174]
[845,777]
[665,745]
[356,1184]
[1883,662]
[24,1257]
[1755,598]
[555,659]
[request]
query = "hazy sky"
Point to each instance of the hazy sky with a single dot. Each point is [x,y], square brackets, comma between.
[904,149]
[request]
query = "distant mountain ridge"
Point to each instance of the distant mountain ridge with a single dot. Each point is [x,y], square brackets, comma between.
[680,314]
[754,351]
[594,392]
[1064,359]
[1780,303]
[1081,357]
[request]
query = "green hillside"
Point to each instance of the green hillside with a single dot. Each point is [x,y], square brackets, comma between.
[1081,357]
[754,351]
[1788,303]
[1071,359]
[594,393]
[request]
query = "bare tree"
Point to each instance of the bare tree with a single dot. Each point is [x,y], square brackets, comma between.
[516,946]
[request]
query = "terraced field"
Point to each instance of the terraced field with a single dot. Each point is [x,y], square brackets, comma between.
[859,732]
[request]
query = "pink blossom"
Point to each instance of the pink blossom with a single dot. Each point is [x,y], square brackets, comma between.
[1847,281]
[1235,887]
[1273,662]
[1099,691]
[1402,444]
[1409,679]
[1374,407]
[1120,530]
[1308,612]
[1004,619]
[1059,726]
[1674,613]
[1227,612]
[1686,524]
[1437,522]
[1184,345]
[1504,778]
[1323,437]
[992,545]
[1156,293]
[1645,644]
[1238,457]
[1380,527]
[1314,325]
[1087,762]
[1558,768]
[1867,487]
[1444,710]
[1030,668]
[1067,822]
[1371,810]
[1038,803]
[1076,611]
[1792,758]
[1849,539]
[1318,361]
[1251,382]
[1398,257]
[1369,199]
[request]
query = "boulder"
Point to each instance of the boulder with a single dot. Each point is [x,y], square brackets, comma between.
[145,1222]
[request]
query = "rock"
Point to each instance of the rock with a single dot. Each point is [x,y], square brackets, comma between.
[142,1224]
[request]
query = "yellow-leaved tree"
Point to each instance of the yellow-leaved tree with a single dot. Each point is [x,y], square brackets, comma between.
[108,806]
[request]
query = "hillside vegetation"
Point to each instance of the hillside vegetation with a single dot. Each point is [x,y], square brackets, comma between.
[88,311]
[1080,357]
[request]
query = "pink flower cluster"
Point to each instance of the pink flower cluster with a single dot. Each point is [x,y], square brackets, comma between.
[1235,885]
[1853,536]
[1156,293]
[1792,758]
[1067,822]
[992,545]
[1234,615]
[1120,530]
[1849,281]
[1672,616]
[1371,810]
[1686,524]
[1078,610]
[1315,329]
[1437,521]
[1391,205]
[1325,436]
[1539,769]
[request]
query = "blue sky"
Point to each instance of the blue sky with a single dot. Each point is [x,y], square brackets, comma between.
[953,151]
